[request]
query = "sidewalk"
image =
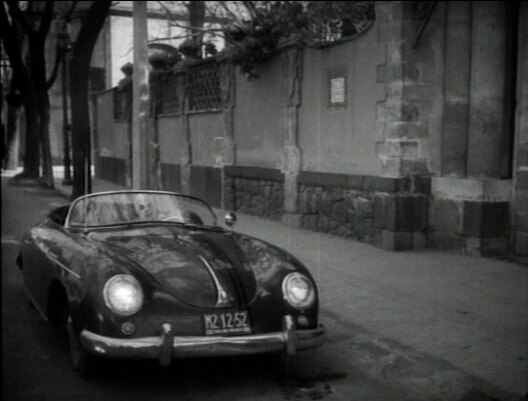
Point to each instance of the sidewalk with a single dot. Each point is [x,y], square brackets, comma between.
[404,315]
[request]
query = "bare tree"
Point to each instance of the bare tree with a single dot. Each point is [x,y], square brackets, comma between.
[12,39]
[29,29]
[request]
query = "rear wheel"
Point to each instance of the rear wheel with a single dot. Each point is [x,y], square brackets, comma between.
[86,364]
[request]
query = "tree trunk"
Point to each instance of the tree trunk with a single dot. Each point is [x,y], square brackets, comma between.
[79,73]
[31,148]
[47,162]
[12,131]
[38,72]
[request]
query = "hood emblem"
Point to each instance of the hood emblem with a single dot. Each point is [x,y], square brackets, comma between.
[222,299]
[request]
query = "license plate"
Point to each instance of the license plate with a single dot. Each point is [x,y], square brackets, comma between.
[226,323]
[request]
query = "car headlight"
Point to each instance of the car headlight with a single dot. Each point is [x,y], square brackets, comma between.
[298,290]
[123,295]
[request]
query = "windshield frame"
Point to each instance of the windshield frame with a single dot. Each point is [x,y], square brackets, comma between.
[135,191]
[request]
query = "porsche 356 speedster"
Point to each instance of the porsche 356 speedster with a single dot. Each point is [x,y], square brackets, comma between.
[152,274]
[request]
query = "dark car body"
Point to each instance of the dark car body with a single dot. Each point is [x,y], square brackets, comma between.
[207,290]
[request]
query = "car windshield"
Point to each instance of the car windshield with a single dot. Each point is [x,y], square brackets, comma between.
[137,207]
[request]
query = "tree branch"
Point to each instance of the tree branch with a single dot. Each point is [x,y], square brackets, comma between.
[218,32]
[213,14]
[251,9]
[231,13]
[192,28]
[173,16]
[183,36]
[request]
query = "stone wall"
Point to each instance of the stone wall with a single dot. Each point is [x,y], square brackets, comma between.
[254,190]
[471,227]
[470,216]
[396,167]
[259,197]
[344,212]
[389,212]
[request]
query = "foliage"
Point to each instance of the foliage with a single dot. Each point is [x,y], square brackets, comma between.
[257,39]
[330,21]
[255,30]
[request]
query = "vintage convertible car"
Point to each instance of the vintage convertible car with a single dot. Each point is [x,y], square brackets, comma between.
[151,274]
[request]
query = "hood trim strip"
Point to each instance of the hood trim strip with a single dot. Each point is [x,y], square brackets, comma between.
[222,299]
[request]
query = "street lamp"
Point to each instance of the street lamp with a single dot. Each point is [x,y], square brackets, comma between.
[64,47]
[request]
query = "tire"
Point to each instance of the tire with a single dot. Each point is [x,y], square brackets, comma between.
[85,364]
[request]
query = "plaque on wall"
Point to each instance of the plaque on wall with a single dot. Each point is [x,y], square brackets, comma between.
[337,91]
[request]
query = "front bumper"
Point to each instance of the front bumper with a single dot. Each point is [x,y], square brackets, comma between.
[167,346]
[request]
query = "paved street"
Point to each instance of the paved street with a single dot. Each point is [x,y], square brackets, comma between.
[402,326]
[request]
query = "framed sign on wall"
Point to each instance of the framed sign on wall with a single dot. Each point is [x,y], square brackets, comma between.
[337,87]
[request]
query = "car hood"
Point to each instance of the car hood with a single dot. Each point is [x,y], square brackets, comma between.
[201,267]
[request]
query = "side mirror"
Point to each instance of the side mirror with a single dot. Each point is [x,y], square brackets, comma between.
[230,219]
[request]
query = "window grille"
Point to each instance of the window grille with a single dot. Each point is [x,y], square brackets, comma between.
[203,83]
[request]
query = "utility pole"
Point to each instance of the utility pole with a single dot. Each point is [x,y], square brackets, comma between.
[140,98]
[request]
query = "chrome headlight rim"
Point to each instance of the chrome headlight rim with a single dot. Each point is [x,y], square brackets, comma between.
[305,303]
[110,303]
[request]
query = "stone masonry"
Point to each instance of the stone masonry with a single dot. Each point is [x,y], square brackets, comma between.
[345,212]
[255,196]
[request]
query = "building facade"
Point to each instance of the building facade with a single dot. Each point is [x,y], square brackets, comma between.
[413,134]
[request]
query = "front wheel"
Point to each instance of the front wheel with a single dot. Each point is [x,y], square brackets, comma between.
[86,364]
